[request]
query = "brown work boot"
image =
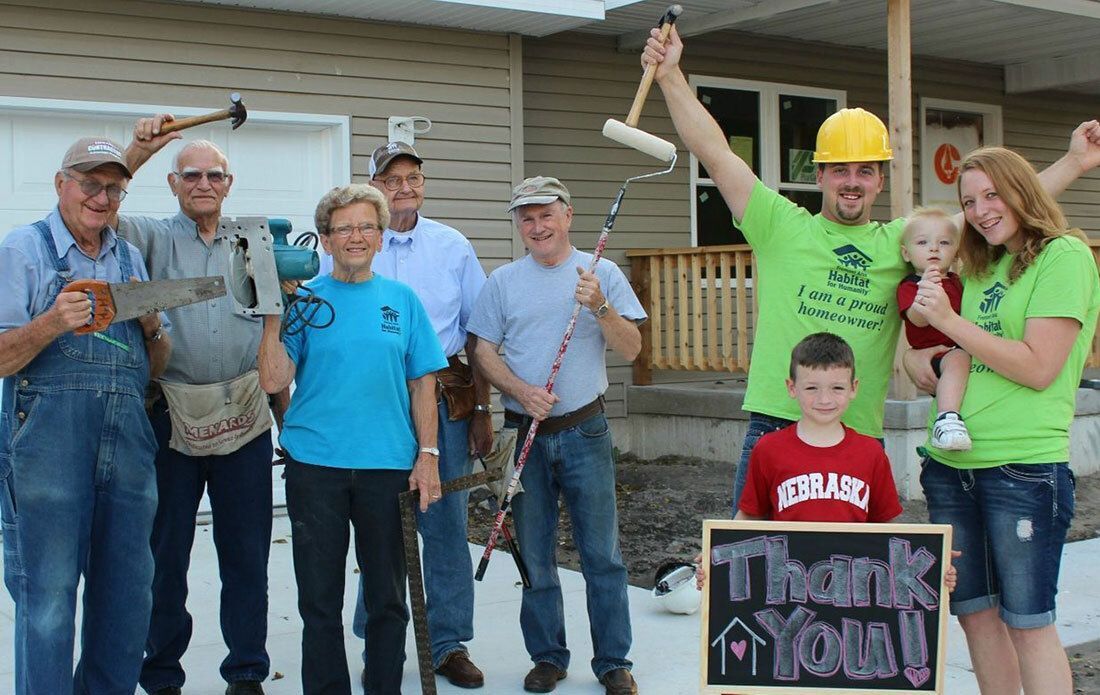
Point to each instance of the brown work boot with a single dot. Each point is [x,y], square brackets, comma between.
[543,678]
[459,670]
[619,682]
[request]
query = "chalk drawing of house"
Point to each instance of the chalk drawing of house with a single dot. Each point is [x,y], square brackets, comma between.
[725,647]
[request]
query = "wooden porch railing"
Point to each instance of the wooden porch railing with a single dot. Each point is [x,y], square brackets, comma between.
[702,307]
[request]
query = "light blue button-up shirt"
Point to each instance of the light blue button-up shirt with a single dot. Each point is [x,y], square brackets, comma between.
[441,266]
[27,273]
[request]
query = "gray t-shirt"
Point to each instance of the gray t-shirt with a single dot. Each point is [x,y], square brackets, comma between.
[525,307]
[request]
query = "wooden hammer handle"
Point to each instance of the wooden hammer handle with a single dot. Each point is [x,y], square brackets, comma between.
[183,123]
[647,82]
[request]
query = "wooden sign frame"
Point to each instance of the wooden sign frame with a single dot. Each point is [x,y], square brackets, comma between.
[774,529]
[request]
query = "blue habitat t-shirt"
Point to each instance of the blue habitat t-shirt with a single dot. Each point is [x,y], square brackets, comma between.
[351,406]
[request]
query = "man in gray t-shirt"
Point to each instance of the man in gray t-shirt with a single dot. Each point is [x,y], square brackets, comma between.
[525,308]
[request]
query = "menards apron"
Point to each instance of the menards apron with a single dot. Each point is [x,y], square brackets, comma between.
[216,419]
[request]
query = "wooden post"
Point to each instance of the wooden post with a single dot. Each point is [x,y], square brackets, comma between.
[901,140]
[639,278]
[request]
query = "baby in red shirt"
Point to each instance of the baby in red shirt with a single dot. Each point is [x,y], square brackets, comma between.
[930,242]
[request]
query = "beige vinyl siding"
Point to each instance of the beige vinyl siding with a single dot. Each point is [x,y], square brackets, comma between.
[188,55]
[573,82]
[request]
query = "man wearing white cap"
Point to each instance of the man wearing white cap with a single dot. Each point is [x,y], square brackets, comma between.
[525,308]
[77,482]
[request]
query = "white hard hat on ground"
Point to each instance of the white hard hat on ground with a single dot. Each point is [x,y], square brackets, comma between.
[674,588]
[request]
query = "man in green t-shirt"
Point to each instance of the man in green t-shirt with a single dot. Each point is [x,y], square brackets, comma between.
[835,271]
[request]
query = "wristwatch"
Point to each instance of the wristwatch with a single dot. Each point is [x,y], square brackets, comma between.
[430,450]
[602,310]
[155,338]
[486,408]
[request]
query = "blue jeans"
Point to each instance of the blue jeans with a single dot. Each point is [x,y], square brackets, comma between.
[1010,523]
[239,485]
[758,426]
[577,464]
[448,570]
[80,500]
[321,501]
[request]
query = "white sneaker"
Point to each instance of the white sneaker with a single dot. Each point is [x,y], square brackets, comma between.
[949,433]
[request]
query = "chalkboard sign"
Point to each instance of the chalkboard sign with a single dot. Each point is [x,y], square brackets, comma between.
[837,608]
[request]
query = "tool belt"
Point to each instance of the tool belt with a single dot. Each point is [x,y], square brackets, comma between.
[216,419]
[555,424]
[455,383]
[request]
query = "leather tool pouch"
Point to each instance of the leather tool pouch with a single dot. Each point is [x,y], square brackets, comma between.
[456,384]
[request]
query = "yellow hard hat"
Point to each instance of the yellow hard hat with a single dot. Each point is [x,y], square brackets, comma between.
[853,135]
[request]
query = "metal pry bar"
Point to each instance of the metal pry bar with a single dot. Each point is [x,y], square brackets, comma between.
[408,501]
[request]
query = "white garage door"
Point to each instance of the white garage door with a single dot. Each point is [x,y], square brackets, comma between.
[282,163]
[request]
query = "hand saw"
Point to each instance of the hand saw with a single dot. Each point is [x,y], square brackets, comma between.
[122,301]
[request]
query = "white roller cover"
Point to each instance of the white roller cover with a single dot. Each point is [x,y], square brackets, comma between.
[639,140]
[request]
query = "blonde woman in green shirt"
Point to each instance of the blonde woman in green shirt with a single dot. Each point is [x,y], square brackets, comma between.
[1029,313]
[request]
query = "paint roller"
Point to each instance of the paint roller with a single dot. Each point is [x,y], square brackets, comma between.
[628,133]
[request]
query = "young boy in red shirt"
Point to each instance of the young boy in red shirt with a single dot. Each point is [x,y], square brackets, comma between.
[818,469]
[929,242]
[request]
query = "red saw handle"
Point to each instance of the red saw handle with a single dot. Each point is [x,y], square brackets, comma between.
[103,305]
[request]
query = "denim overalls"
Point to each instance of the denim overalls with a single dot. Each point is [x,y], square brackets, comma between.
[78,495]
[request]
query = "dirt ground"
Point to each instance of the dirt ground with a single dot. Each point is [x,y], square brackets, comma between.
[662,504]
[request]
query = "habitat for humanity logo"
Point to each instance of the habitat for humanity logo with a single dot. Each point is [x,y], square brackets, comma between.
[389,320]
[851,257]
[851,273]
[993,297]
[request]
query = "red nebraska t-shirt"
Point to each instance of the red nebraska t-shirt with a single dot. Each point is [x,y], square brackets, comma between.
[926,336]
[789,480]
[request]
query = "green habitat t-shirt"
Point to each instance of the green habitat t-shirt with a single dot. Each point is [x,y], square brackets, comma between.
[816,275]
[1010,423]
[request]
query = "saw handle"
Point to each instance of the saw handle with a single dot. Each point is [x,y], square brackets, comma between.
[667,21]
[191,121]
[103,305]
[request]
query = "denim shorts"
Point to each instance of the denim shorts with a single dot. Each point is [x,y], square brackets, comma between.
[1010,523]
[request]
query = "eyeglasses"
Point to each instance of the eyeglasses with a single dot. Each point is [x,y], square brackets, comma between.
[190,175]
[393,183]
[344,231]
[92,188]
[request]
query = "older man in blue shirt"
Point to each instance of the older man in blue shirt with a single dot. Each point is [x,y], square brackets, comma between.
[440,264]
[77,482]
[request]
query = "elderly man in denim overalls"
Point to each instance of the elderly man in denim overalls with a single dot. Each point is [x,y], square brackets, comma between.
[77,483]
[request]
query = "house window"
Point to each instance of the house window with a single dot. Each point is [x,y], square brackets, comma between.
[773,127]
